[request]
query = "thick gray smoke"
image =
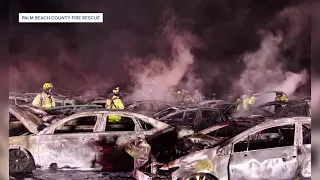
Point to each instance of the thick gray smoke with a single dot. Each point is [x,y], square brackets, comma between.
[265,68]
[157,78]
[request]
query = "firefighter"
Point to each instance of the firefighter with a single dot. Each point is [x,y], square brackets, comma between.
[280,97]
[180,97]
[44,99]
[114,102]
[187,98]
[197,97]
[246,101]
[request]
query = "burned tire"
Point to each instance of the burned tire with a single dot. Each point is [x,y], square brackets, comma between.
[20,162]
[201,176]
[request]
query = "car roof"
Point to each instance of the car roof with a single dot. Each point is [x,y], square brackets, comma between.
[116,112]
[242,121]
[271,122]
[290,102]
[150,101]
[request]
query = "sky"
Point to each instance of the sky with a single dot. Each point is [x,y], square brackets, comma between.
[149,47]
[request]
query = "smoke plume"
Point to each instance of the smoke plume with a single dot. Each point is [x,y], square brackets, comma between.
[155,79]
[137,49]
[266,68]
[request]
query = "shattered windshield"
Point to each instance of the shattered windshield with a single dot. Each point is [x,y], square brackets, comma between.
[228,131]
[25,112]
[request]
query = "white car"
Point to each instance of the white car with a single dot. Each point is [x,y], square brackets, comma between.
[274,149]
[84,141]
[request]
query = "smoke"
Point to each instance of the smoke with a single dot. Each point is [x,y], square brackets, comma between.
[155,79]
[137,52]
[41,62]
[266,68]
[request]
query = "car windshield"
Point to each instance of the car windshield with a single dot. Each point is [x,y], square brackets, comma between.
[229,131]
[26,113]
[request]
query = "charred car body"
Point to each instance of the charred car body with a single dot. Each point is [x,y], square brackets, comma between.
[273,149]
[84,141]
[193,118]
[18,99]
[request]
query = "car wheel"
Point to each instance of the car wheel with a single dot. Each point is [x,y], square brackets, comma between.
[20,162]
[201,176]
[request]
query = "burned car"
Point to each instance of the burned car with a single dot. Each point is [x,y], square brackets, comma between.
[85,140]
[212,103]
[274,149]
[194,118]
[18,99]
[279,109]
[216,134]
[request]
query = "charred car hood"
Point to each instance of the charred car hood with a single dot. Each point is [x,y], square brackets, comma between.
[188,161]
[33,123]
[205,139]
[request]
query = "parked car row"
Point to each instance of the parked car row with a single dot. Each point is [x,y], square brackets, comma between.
[158,140]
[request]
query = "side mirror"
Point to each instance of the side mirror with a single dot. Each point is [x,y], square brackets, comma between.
[224,150]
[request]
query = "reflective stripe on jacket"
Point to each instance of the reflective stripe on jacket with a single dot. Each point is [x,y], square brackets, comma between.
[282,98]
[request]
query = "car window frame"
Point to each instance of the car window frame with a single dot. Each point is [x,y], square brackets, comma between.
[172,114]
[12,101]
[140,128]
[254,130]
[185,116]
[261,108]
[50,129]
[301,133]
[102,126]
[168,109]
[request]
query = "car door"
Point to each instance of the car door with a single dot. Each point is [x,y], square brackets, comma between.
[304,149]
[69,143]
[113,137]
[270,153]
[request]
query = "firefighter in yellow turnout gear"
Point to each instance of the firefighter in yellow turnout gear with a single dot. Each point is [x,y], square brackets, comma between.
[44,99]
[246,101]
[280,97]
[114,103]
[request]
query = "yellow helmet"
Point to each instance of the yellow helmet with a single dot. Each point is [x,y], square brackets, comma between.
[179,92]
[116,90]
[47,86]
